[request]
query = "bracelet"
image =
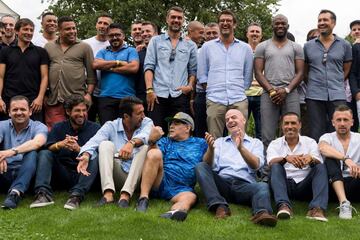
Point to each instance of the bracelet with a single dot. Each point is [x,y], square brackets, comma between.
[117,63]
[132,142]
[56,146]
[149,90]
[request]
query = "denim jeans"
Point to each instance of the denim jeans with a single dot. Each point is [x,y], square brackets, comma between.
[18,177]
[218,190]
[314,186]
[51,171]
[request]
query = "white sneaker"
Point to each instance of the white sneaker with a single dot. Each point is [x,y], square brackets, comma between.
[345,210]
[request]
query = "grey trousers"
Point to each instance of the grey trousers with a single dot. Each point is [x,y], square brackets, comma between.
[111,173]
[271,113]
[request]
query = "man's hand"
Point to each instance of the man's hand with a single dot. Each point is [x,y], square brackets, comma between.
[126,151]
[70,143]
[185,89]
[210,140]
[151,99]
[295,160]
[306,160]
[6,154]
[279,97]
[2,106]
[353,167]
[87,98]
[155,134]
[238,136]
[37,104]
[3,166]
[83,164]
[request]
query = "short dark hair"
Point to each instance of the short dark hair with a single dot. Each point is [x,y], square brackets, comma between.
[127,104]
[23,22]
[355,22]
[63,19]
[343,108]
[73,101]
[212,24]
[18,98]
[310,34]
[2,25]
[227,12]
[145,23]
[174,8]
[117,26]
[47,14]
[332,14]
[290,114]
[106,15]
[290,36]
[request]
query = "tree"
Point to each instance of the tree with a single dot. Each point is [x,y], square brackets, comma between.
[126,11]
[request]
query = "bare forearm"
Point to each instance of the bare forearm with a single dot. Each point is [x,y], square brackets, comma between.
[249,158]
[100,64]
[209,156]
[149,76]
[31,145]
[329,151]
[127,68]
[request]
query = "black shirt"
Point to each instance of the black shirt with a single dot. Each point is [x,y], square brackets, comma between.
[140,86]
[22,72]
[58,133]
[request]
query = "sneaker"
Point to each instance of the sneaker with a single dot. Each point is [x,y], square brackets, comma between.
[41,200]
[72,203]
[222,212]
[103,201]
[11,201]
[345,210]
[123,203]
[177,215]
[316,214]
[265,219]
[142,204]
[284,212]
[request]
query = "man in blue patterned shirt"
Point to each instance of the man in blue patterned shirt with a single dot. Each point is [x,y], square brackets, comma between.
[169,168]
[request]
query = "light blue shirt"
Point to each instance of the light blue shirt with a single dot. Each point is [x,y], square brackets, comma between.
[170,75]
[9,138]
[227,72]
[114,131]
[228,162]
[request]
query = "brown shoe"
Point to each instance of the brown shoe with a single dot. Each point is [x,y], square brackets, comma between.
[222,212]
[284,212]
[265,219]
[316,214]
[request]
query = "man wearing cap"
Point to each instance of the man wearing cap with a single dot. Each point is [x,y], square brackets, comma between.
[169,168]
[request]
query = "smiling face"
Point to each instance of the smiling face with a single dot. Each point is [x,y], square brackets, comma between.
[326,24]
[68,32]
[78,114]
[49,24]
[9,23]
[116,38]
[211,33]
[175,21]
[342,122]
[19,112]
[291,126]
[254,34]
[147,32]
[102,25]
[280,26]
[25,33]
[235,121]
[136,33]
[226,25]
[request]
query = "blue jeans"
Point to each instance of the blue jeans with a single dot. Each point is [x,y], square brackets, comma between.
[18,177]
[314,186]
[254,108]
[51,171]
[218,190]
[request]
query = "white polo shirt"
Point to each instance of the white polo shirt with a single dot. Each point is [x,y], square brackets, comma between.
[280,148]
[353,150]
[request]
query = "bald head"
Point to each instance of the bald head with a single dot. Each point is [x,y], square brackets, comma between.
[235,120]
[280,17]
[196,32]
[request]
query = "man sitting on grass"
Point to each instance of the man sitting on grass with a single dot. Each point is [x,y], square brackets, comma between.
[297,171]
[228,172]
[342,151]
[121,145]
[57,164]
[20,137]
[169,168]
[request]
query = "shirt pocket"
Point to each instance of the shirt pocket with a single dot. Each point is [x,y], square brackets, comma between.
[183,54]
[164,53]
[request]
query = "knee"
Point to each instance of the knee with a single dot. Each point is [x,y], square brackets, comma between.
[30,156]
[321,168]
[201,167]
[262,189]
[106,146]
[44,155]
[276,168]
[154,155]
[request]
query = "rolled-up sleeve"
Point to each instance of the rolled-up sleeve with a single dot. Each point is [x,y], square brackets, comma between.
[203,65]
[150,58]
[192,65]
[144,133]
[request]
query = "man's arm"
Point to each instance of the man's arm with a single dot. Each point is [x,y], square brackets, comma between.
[209,154]
[251,160]
[36,105]
[248,68]
[2,74]
[127,67]
[346,68]
[259,65]
[328,151]
[299,74]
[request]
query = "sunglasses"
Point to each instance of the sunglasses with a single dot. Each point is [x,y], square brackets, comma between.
[172,55]
[324,59]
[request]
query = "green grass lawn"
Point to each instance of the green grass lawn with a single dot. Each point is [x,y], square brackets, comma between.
[111,222]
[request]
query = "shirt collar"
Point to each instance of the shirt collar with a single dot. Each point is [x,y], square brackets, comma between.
[246,138]
[235,40]
[15,44]
[11,124]
[76,42]
[336,38]
[120,127]
[166,35]
[284,142]
[124,46]
[79,129]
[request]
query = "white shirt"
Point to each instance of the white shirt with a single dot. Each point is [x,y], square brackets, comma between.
[280,148]
[353,150]
[40,41]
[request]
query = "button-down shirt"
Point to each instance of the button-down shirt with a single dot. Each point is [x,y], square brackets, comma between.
[114,131]
[227,72]
[170,75]
[229,163]
[326,73]
[353,150]
[9,138]
[280,148]
[69,71]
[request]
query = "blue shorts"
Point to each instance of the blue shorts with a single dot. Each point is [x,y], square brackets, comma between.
[169,188]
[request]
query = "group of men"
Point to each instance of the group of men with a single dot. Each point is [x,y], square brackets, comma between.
[67,83]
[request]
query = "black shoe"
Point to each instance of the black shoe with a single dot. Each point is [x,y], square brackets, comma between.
[41,200]
[103,202]
[177,215]
[123,203]
[11,201]
[142,204]
[73,203]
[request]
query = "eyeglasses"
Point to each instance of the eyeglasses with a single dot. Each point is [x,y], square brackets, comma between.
[172,55]
[116,35]
[324,59]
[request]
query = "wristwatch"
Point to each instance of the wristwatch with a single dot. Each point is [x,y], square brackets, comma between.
[132,142]
[15,151]
[287,90]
